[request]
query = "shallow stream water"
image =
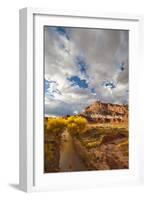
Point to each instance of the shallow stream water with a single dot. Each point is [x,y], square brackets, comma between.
[69,159]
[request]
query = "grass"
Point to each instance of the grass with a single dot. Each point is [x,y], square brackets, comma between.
[95,135]
[93,142]
[91,135]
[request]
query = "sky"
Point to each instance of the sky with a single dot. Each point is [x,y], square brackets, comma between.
[83,66]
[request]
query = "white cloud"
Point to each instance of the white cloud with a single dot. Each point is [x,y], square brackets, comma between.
[103,52]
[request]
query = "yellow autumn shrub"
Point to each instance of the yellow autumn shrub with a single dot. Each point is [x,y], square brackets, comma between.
[55,125]
[76,124]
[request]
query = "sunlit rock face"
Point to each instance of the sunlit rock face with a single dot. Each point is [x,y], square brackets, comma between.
[106,112]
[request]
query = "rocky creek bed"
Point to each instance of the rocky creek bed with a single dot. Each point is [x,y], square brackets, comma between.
[98,148]
[103,151]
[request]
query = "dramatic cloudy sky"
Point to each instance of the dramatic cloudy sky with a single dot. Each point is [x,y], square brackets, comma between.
[82,66]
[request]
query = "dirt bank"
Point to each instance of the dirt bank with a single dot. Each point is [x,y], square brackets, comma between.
[69,159]
[106,156]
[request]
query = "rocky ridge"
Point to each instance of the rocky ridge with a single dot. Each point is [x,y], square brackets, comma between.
[106,113]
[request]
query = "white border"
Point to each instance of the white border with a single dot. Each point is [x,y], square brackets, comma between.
[31,100]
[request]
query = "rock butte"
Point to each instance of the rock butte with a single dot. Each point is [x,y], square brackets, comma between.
[101,148]
[106,113]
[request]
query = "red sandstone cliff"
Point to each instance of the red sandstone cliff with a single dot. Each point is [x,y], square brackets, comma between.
[106,112]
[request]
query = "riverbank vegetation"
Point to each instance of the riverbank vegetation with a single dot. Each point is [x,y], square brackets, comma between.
[89,141]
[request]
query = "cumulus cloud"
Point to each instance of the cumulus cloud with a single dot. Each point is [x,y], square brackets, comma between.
[84,65]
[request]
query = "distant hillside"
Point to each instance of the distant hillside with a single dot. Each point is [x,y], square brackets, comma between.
[106,112]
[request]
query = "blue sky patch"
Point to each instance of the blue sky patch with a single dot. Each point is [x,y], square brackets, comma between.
[51,89]
[82,65]
[93,90]
[75,80]
[63,31]
[121,66]
[47,84]
[109,84]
